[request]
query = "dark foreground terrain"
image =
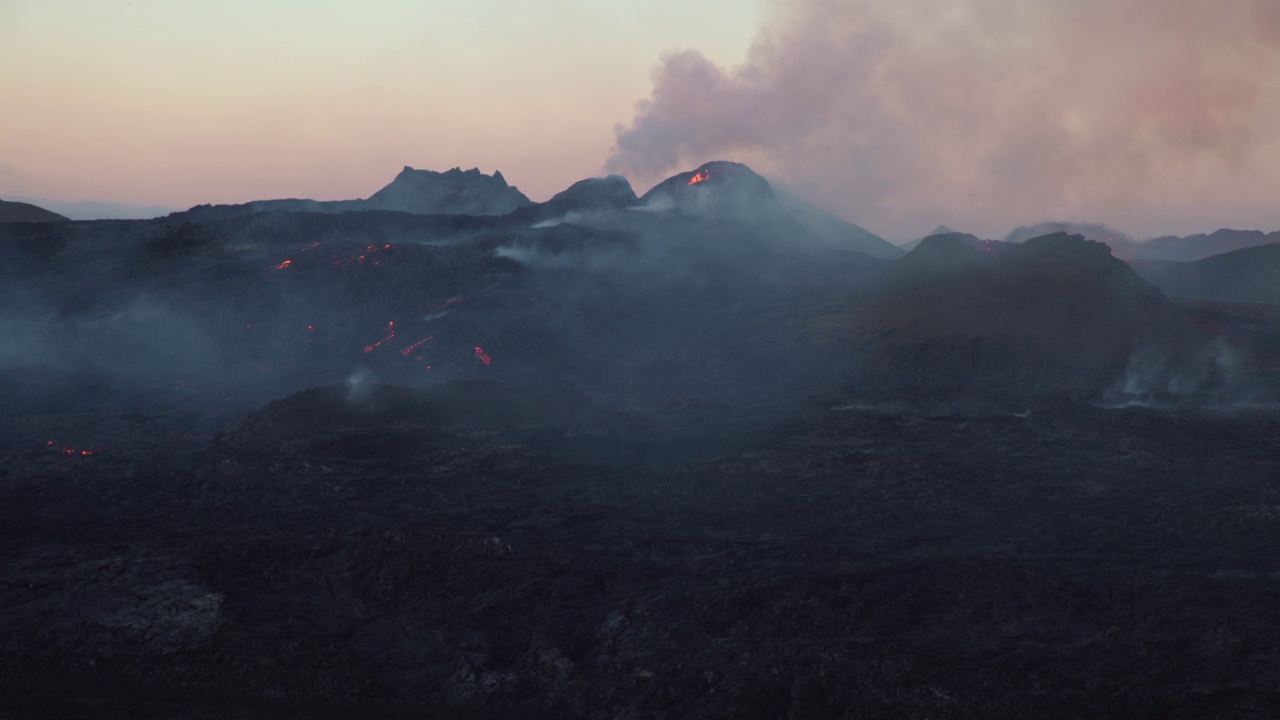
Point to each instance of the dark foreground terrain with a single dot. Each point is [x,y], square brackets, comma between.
[701,453]
[447,555]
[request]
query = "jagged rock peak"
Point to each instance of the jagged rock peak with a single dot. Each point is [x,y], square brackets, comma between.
[455,192]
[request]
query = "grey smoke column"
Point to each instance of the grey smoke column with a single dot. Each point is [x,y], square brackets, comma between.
[987,113]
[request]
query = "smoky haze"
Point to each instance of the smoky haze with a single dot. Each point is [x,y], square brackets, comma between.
[1153,115]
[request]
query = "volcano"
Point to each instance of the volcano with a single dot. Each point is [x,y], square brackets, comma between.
[724,185]
[733,190]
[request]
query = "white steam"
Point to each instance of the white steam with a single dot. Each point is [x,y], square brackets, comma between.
[360,384]
[1215,375]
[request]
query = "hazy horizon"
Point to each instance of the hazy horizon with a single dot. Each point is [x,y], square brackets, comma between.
[1151,116]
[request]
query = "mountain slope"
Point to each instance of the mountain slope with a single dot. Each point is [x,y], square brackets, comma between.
[836,231]
[26,212]
[1056,312]
[1246,275]
[1199,247]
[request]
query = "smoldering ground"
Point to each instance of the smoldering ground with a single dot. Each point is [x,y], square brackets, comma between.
[631,304]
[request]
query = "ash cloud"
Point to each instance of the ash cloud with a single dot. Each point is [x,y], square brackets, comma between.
[988,113]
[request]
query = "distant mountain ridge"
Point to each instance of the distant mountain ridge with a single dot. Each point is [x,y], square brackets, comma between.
[1168,247]
[1250,275]
[421,192]
[1201,246]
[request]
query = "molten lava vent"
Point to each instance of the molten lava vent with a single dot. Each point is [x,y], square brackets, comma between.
[716,169]
[720,186]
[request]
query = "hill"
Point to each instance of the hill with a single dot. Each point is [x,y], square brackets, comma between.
[1056,311]
[26,212]
[1248,275]
[1168,247]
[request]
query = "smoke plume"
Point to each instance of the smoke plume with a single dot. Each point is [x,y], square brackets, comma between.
[1154,114]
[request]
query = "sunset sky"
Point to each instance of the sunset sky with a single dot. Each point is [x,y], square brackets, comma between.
[178,103]
[1155,116]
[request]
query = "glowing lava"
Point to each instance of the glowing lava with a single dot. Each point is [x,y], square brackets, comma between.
[708,171]
[409,350]
[482,357]
[368,250]
[391,333]
[69,451]
[283,265]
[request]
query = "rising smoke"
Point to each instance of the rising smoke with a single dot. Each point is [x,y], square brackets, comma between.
[1154,114]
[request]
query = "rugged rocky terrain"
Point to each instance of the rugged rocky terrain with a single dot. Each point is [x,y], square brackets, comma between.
[616,457]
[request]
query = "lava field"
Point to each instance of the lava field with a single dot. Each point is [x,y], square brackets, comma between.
[697,454]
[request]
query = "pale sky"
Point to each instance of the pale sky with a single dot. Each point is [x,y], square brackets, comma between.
[1152,116]
[177,102]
